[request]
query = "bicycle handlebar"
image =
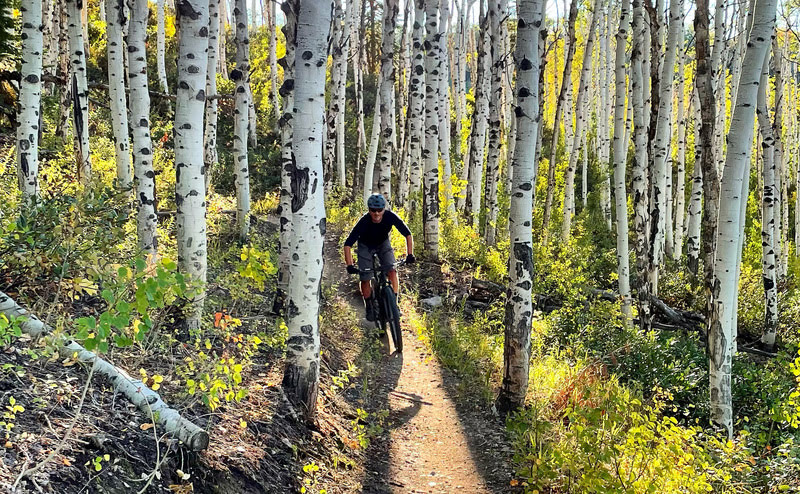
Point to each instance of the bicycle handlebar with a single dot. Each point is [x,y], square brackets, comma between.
[395,264]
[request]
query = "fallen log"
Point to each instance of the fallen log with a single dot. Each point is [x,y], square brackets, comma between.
[147,400]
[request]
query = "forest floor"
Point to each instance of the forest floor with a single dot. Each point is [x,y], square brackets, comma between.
[386,423]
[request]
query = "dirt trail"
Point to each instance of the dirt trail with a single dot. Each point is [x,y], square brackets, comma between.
[433,442]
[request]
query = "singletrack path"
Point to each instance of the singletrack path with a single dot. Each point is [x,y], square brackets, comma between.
[433,441]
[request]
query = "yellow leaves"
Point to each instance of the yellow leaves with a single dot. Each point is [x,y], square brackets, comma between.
[242,423]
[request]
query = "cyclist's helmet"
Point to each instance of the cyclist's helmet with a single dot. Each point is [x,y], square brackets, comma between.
[376,201]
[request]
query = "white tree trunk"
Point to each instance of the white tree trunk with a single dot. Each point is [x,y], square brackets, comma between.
[387,99]
[147,400]
[115,22]
[580,124]
[780,163]
[430,153]
[334,108]
[444,113]
[620,161]
[640,162]
[286,125]
[374,139]
[143,175]
[30,95]
[768,230]
[241,120]
[189,184]
[740,137]
[480,118]
[498,9]
[680,158]
[65,96]
[519,312]
[273,60]
[301,377]
[416,96]
[659,195]
[222,61]
[696,200]
[161,46]
[80,91]
[604,135]
[210,155]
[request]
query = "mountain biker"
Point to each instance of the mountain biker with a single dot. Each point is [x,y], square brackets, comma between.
[372,234]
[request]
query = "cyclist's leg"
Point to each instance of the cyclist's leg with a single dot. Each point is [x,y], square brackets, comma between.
[365,263]
[386,254]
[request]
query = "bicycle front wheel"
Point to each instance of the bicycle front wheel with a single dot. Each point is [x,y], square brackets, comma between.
[393,318]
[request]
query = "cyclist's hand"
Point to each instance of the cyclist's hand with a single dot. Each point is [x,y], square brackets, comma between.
[352,269]
[410,259]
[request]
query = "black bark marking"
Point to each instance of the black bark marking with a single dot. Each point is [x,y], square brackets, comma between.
[300,182]
[524,257]
[185,9]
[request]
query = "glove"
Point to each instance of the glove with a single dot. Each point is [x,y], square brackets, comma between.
[352,269]
[410,259]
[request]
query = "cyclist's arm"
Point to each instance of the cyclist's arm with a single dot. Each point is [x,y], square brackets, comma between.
[409,244]
[348,255]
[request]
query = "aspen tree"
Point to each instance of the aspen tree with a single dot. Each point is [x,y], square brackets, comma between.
[416,100]
[640,162]
[478,129]
[241,120]
[301,376]
[115,21]
[79,91]
[273,59]
[384,185]
[768,231]
[143,175]
[210,156]
[696,198]
[430,153]
[161,46]
[30,87]
[658,188]
[561,104]
[740,136]
[334,106]
[620,160]
[286,125]
[444,112]
[65,95]
[680,159]
[498,9]
[580,124]
[189,183]
[519,311]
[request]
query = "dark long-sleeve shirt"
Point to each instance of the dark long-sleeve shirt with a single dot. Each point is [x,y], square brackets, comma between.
[373,234]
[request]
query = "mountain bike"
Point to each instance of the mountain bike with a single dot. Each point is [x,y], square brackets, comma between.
[387,314]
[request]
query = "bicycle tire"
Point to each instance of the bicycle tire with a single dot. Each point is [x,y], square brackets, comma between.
[393,318]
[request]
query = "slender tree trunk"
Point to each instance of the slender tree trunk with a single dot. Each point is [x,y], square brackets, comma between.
[80,91]
[334,107]
[189,184]
[115,21]
[640,162]
[241,121]
[620,161]
[301,377]
[430,153]
[369,169]
[30,95]
[680,158]
[695,204]
[603,133]
[768,230]
[222,59]
[480,117]
[358,75]
[273,60]
[519,310]
[777,130]
[416,96]
[498,9]
[143,175]
[566,81]
[65,99]
[210,156]
[658,192]
[161,47]
[740,137]
[286,125]
[387,99]
[580,125]
[444,112]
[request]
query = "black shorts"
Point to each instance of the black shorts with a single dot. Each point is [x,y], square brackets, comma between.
[385,255]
